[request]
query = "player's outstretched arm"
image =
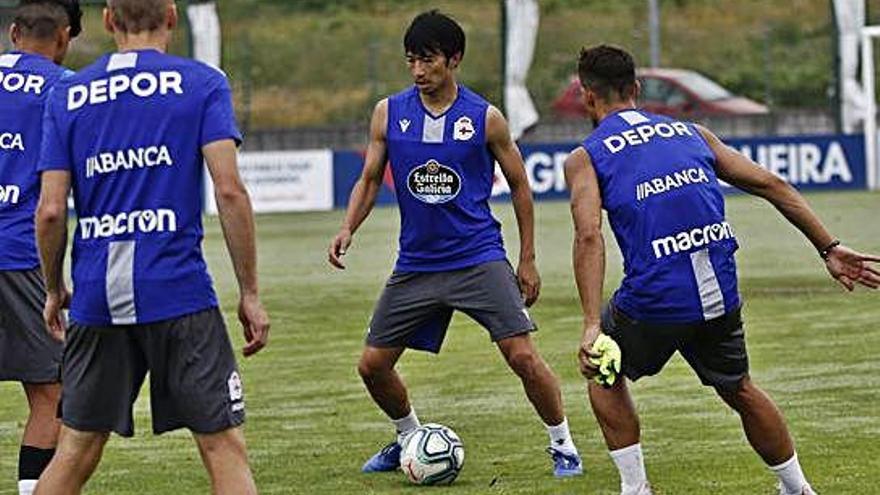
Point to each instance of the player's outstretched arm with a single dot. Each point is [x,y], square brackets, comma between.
[509,158]
[845,265]
[51,225]
[588,252]
[237,220]
[363,195]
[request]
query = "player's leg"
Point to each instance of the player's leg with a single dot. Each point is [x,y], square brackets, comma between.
[74,462]
[767,433]
[195,384]
[489,293]
[408,314]
[40,434]
[225,457]
[101,376]
[718,355]
[645,349]
[29,355]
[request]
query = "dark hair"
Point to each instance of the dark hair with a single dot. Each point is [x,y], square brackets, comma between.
[432,32]
[135,16]
[607,70]
[42,18]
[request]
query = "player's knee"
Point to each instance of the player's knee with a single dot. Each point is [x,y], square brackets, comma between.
[525,363]
[371,369]
[738,395]
[227,442]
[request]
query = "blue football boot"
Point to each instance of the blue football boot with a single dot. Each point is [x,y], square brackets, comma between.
[565,465]
[387,459]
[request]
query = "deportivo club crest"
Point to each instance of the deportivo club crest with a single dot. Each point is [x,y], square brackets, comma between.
[434,183]
[463,129]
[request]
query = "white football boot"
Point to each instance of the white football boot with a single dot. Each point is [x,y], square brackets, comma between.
[806,490]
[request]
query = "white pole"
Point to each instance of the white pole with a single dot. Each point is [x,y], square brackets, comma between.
[654,31]
[868,34]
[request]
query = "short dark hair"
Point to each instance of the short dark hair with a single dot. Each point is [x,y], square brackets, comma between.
[432,32]
[41,19]
[136,16]
[607,70]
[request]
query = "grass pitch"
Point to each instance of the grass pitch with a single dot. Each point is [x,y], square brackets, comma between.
[311,423]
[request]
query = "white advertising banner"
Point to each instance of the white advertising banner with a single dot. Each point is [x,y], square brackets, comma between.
[283,181]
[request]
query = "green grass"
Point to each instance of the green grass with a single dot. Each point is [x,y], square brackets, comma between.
[311,423]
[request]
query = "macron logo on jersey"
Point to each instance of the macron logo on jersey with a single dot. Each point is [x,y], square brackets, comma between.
[691,239]
[643,134]
[9,194]
[108,163]
[142,85]
[143,221]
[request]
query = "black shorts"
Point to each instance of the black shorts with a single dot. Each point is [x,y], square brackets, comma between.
[194,382]
[28,354]
[415,308]
[715,349]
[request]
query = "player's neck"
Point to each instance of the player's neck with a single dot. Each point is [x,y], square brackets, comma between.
[146,40]
[614,108]
[440,100]
[41,48]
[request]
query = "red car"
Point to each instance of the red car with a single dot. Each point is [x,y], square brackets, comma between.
[673,92]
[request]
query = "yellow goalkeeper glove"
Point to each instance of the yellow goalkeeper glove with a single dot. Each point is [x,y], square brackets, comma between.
[608,361]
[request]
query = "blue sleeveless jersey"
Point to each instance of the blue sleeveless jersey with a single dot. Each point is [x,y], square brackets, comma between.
[443,173]
[25,82]
[658,185]
[130,129]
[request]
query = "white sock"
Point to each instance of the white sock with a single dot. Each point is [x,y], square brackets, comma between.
[26,487]
[631,465]
[406,424]
[560,438]
[791,475]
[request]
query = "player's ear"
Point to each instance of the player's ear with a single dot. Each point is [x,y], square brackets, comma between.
[108,21]
[637,90]
[14,33]
[62,42]
[454,61]
[171,16]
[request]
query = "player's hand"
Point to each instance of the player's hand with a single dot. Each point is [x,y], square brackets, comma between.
[338,246]
[53,314]
[585,352]
[850,267]
[529,281]
[255,323]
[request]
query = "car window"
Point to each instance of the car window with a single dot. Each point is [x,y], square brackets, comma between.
[704,88]
[654,90]
[676,98]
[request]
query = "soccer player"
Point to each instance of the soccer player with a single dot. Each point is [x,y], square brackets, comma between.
[130,133]
[658,180]
[40,33]
[442,140]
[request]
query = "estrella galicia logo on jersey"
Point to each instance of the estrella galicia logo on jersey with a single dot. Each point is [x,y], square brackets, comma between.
[434,183]
[463,129]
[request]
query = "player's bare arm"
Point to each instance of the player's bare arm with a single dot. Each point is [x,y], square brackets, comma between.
[237,221]
[509,158]
[363,195]
[51,224]
[845,265]
[588,251]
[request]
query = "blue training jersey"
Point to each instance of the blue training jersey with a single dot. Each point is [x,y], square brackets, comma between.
[665,206]
[443,172]
[130,129]
[25,82]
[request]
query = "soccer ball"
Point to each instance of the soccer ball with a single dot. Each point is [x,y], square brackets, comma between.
[432,455]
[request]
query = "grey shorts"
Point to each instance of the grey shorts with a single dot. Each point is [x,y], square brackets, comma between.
[28,353]
[715,349]
[415,308]
[194,381]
